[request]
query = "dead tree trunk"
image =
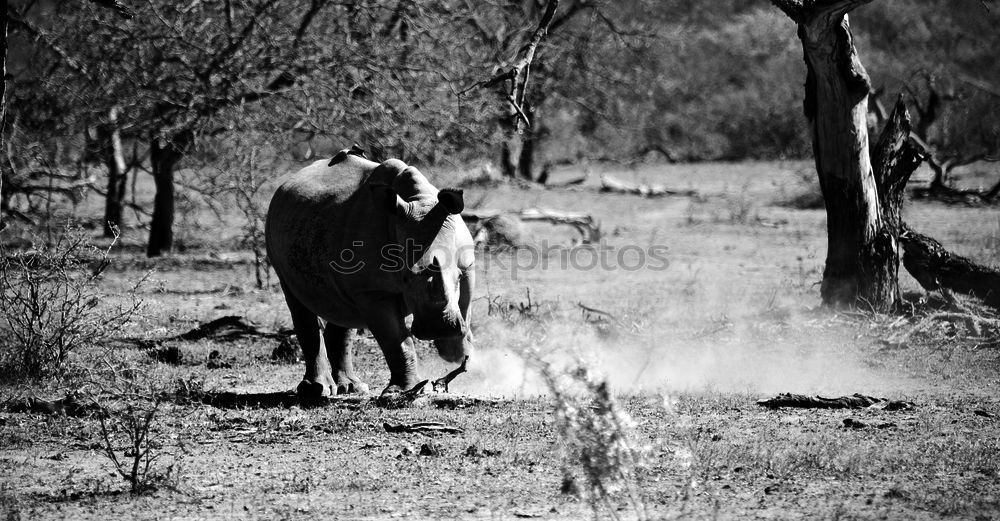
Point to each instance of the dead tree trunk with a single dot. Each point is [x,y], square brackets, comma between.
[861,248]
[164,156]
[894,159]
[114,158]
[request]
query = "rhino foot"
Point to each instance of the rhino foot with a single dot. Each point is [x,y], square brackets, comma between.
[351,386]
[393,389]
[312,391]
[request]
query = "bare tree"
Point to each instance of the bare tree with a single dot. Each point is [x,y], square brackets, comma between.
[579,63]
[862,193]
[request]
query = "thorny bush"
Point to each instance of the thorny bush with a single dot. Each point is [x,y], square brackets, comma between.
[51,304]
[601,458]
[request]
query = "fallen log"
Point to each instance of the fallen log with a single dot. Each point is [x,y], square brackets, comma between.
[934,267]
[855,401]
[421,427]
[585,225]
[610,184]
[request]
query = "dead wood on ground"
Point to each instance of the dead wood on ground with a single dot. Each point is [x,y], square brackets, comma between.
[855,401]
[934,267]
[585,225]
[610,184]
[421,427]
[945,312]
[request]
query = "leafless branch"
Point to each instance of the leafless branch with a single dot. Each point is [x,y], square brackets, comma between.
[519,73]
[123,10]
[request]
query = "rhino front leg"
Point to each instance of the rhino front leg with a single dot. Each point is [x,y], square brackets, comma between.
[387,326]
[318,381]
[341,356]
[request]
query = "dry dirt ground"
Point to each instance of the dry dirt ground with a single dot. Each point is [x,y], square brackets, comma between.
[687,351]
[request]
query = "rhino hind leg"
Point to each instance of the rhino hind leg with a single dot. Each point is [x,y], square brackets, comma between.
[341,356]
[318,381]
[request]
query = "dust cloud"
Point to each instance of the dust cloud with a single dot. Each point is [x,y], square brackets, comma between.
[759,354]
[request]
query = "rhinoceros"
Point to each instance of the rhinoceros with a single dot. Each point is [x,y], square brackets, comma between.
[365,245]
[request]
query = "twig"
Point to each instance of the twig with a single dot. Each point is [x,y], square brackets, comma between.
[441,384]
[422,427]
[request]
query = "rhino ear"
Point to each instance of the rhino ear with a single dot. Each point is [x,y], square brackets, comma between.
[385,197]
[452,199]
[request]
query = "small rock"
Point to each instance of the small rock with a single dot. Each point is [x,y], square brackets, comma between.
[851,423]
[898,405]
[474,451]
[287,351]
[895,493]
[984,414]
[407,451]
[430,449]
[167,355]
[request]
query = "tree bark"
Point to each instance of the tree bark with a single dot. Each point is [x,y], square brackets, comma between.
[840,87]
[529,137]
[114,159]
[935,267]
[517,151]
[164,156]
[3,94]
[862,238]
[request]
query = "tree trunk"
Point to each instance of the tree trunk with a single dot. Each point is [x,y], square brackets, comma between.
[517,151]
[861,247]
[114,158]
[894,159]
[509,146]
[3,94]
[163,157]
[529,136]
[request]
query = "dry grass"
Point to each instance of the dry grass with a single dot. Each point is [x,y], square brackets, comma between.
[685,352]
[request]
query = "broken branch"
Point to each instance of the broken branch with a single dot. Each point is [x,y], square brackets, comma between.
[441,384]
[935,267]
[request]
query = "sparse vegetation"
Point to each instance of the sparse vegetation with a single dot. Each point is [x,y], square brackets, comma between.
[601,459]
[128,433]
[52,304]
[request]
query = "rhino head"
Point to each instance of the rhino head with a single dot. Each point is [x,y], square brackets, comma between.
[435,255]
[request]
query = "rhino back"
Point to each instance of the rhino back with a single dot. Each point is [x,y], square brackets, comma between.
[309,220]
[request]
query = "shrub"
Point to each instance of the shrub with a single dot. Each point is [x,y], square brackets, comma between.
[130,423]
[601,458]
[51,304]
